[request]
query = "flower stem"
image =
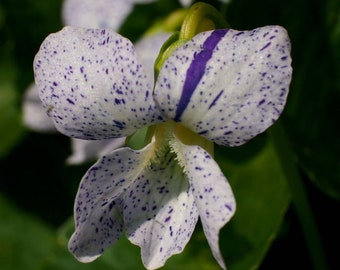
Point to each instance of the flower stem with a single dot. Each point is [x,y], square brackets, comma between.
[300,198]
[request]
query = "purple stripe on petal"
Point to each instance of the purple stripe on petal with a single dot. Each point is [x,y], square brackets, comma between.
[196,69]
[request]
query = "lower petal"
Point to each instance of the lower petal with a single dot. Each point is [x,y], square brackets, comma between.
[213,195]
[160,212]
[98,205]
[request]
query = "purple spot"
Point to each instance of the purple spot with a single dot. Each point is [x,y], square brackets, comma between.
[196,69]
[119,101]
[167,219]
[111,205]
[203,132]
[228,207]
[215,100]
[265,46]
[238,34]
[70,101]
[119,124]
[261,102]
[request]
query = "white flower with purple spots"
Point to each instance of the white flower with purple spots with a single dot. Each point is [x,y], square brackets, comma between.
[223,86]
[35,118]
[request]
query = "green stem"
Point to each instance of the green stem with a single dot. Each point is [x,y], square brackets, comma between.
[300,198]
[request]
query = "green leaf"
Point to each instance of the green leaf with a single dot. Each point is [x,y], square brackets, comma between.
[262,197]
[10,117]
[25,242]
[311,119]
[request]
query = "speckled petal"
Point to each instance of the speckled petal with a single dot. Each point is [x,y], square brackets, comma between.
[34,114]
[213,195]
[96,14]
[160,212]
[227,85]
[98,205]
[84,150]
[92,84]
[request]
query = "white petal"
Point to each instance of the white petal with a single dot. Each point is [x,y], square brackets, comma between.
[148,49]
[159,212]
[227,85]
[84,150]
[98,206]
[96,13]
[92,84]
[213,195]
[34,114]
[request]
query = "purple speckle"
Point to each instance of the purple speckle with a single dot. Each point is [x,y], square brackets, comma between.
[265,46]
[261,102]
[215,99]
[70,101]
[167,219]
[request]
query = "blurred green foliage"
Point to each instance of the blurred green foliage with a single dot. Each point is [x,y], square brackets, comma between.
[37,188]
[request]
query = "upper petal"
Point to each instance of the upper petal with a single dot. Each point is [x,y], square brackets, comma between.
[213,195]
[96,14]
[98,205]
[92,84]
[227,85]
[160,213]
